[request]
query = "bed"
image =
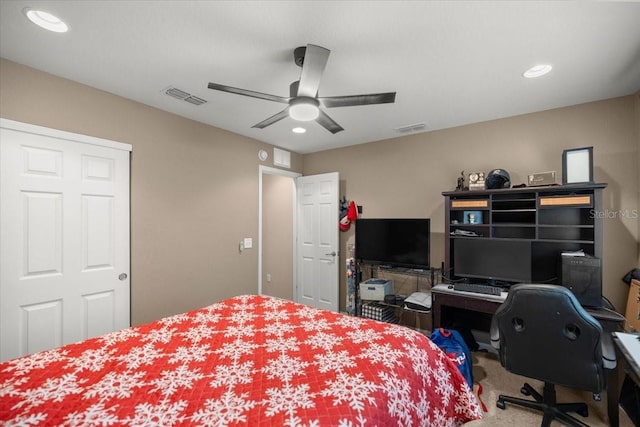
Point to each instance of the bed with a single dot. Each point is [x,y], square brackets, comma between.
[247,361]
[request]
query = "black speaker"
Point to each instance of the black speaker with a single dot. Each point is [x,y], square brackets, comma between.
[583,276]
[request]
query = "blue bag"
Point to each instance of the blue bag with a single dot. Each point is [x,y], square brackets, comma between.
[454,346]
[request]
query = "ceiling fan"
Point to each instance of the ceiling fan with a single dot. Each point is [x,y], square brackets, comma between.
[303,101]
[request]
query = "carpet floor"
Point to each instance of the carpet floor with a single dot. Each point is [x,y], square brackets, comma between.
[495,380]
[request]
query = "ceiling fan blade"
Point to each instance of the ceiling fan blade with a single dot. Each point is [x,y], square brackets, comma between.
[271,120]
[351,100]
[328,123]
[250,93]
[315,60]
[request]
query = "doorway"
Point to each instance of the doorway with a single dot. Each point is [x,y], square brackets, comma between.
[276,232]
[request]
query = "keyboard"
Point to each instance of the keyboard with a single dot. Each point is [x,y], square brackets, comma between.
[477,288]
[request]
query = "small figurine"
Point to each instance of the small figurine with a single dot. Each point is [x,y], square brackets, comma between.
[460,185]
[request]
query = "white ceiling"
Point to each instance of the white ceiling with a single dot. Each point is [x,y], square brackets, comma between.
[451,63]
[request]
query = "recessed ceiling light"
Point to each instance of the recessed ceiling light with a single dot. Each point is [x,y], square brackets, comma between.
[298,130]
[46,20]
[537,71]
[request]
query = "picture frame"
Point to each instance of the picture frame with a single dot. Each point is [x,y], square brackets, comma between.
[472,217]
[577,166]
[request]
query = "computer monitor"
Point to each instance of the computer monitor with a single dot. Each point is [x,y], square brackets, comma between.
[508,260]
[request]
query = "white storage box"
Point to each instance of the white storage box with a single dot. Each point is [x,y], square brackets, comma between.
[375,289]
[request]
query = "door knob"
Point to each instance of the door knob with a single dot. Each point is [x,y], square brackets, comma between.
[122,276]
[332,254]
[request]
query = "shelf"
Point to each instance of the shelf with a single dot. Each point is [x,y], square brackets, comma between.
[470,227]
[581,242]
[467,204]
[570,200]
[513,210]
[565,225]
[567,233]
[567,216]
[514,205]
[547,220]
[514,233]
[511,195]
[497,199]
[514,217]
[406,271]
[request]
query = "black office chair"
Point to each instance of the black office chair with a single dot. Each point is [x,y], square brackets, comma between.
[543,332]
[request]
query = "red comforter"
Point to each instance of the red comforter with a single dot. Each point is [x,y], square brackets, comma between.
[250,361]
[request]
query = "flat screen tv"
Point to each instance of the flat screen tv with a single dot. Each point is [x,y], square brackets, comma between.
[493,259]
[395,242]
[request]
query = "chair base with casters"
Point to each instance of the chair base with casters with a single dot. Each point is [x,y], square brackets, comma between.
[547,404]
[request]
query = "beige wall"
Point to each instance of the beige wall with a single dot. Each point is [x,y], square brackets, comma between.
[405,177]
[277,235]
[194,189]
[637,97]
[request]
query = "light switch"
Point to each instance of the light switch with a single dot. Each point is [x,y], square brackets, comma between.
[248,242]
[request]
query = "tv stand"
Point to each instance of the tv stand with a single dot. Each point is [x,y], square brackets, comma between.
[431,275]
[405,282]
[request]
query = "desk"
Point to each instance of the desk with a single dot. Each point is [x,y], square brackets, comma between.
[443,296]
[628,357]
[628,350]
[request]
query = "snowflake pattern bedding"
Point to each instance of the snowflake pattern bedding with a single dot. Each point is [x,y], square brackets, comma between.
[247,361]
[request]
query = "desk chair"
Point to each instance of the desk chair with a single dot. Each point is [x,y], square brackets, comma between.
[543,332]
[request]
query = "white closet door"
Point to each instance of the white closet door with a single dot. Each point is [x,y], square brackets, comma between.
[64,242]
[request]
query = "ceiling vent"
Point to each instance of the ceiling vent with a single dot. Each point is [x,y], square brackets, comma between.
[411,128]
[185,96]
[195,100]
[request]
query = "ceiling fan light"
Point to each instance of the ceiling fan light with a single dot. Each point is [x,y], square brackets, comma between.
[304,109]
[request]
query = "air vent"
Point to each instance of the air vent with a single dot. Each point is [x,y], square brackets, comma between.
[195,100]
[185,96]
[176,93]
[411,128]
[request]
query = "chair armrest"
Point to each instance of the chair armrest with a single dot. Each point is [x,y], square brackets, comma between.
[608,351]
[494,334]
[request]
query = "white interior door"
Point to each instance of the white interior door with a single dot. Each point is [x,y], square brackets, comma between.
[64,246]
[317,268]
